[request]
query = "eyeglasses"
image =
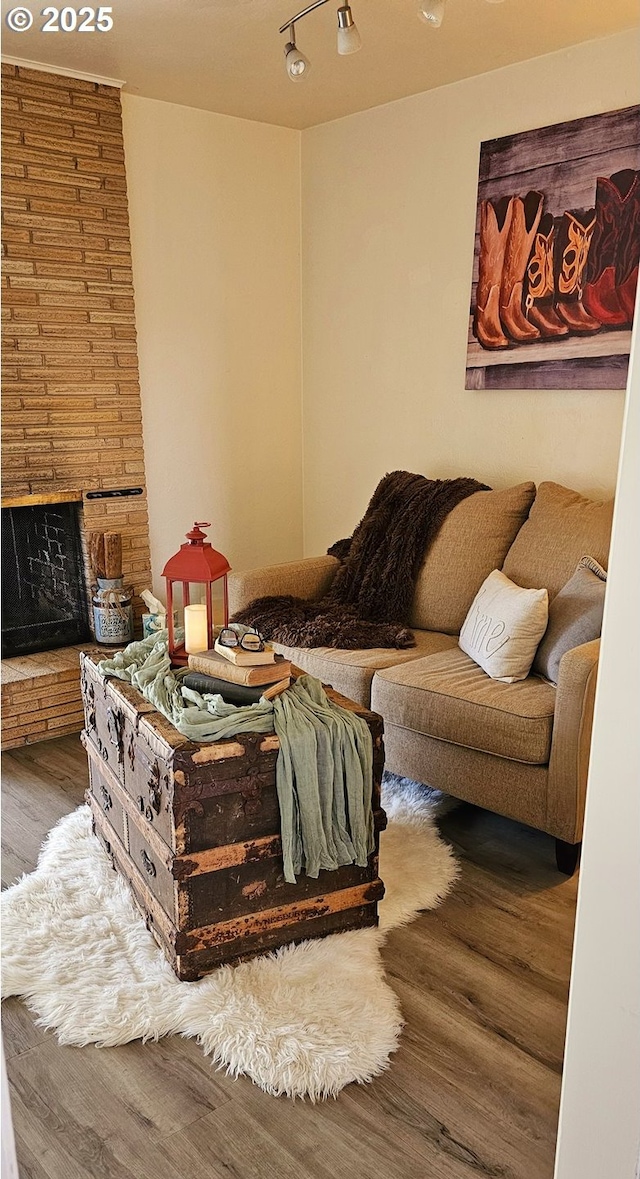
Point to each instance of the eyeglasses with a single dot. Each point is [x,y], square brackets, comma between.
[249,640]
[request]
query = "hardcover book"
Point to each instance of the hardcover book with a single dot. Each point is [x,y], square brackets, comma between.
[211,663]
[239,694]
[243,658]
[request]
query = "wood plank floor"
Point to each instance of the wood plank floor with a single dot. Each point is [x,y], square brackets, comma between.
[472,1092]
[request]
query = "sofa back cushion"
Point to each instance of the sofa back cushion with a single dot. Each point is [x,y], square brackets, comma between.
[473,540]
[562,527]
[575,617]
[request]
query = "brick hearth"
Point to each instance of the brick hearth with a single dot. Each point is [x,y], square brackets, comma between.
[41,696]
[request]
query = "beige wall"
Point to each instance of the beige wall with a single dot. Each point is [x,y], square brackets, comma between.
[389,201]
[215,220]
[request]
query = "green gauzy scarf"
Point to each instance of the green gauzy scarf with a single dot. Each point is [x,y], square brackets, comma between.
[324,769]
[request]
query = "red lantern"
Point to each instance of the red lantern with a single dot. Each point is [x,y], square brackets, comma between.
[196,562]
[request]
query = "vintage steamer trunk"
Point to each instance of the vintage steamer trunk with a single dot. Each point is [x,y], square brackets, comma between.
[194,829]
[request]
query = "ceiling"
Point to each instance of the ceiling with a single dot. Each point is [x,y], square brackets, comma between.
[227,55]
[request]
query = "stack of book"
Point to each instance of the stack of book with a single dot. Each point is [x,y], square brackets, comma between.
[239,676]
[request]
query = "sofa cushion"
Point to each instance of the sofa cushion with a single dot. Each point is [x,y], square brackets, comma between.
[351,672]
[575,617]
[473,540]
[448,697]
[504,626]
[562,526]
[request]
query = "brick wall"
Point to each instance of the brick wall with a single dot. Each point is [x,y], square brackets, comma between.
[71,413]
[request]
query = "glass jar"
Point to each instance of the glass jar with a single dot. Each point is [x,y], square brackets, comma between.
[112,612]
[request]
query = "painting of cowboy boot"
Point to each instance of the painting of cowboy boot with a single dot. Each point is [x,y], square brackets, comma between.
[628,255]
[612,275]
[540,284]
[525,217]
[495,223]
[573,238]
[556,256]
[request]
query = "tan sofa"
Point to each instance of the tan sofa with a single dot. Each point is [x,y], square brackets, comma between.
[518,749]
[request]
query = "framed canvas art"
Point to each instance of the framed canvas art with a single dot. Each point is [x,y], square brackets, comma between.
[556,256]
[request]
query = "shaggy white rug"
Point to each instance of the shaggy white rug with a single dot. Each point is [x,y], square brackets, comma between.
[303,1021]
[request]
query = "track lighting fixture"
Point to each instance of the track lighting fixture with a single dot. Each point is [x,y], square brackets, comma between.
[297,64]
[348,38]
[430,11]
[348,35]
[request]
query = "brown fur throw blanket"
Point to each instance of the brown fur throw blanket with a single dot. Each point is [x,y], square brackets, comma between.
[369,602]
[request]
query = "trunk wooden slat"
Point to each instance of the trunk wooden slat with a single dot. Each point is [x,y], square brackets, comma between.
[195,830]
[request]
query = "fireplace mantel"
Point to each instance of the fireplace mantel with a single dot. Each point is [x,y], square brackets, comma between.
[35,499]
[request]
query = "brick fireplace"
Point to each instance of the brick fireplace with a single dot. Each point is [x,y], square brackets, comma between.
[71,416]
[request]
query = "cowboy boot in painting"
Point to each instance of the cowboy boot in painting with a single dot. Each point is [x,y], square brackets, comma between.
[540,286]
[525,219]
[628,253]
[573,233]
[613,261]
[495,222]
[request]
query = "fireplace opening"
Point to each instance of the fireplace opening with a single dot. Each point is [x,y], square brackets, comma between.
[44,593]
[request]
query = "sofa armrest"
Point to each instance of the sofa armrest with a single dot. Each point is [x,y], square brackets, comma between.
[309,579]
[571,742]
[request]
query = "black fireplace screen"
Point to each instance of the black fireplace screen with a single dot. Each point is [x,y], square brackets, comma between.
[44,595]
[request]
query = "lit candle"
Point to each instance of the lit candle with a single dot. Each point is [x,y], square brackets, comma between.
[195,629]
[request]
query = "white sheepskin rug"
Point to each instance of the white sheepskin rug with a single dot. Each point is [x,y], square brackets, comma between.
[304,1021]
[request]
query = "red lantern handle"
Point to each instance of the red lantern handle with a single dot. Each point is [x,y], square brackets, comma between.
[196,536]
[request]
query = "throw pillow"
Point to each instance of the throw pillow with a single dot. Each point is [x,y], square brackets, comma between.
[504,626]
[474,539]
[562,525]
[575,617]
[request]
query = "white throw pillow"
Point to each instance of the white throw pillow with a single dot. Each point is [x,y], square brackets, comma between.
[504,626]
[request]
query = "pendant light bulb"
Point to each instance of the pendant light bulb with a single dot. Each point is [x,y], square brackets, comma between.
[297,64]
[432,12]
[348,36]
